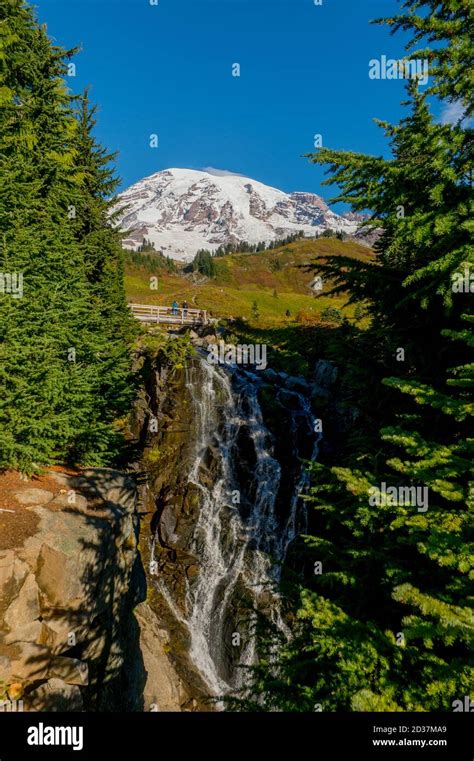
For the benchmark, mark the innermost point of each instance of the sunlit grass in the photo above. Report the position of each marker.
(277, 281)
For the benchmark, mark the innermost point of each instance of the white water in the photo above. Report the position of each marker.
(235, 553)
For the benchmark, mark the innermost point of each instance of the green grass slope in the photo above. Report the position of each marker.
(277, 281)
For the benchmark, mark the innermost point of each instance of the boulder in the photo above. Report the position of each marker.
(59, 577)
(69, 500)
(55, 695)
(33, 496)
(298, 383)
(31, 662)
(26, 633)
(69, 670)
(70, 577)
(12, 571)
(5, 668)
(270, 375)
(163, 690)
(61, 632)
(25, 607)
(325, 373)
(61, 478)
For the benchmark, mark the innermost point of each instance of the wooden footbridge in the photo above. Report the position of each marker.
(169, 315)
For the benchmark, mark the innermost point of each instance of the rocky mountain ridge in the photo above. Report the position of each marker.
(184, 210)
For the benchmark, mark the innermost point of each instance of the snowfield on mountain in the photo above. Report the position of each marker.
(184, 210)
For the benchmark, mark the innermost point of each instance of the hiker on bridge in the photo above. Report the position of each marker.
(185, 308)
(174, 307)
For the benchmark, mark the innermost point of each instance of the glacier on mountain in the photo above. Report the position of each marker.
(184, 210)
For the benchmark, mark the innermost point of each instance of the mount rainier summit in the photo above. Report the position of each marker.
(184, 210)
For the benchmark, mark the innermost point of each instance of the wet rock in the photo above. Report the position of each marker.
(206, 422)
(289, 399)
(298, 383)
(271, 376)
(325, 373)
(192, 571)
(168, 526)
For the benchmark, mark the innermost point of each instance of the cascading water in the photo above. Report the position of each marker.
(239, 541)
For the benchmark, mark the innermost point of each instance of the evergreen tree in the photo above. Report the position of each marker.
(100, 243)
(55, 401)
(203, 263)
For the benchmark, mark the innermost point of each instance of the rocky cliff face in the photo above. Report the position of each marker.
(67, 557)
(221, 502)
(162, 422)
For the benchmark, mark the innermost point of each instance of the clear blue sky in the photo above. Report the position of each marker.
(167, 69)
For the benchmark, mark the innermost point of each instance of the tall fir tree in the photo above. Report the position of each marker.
(93, 213)
(56, 403)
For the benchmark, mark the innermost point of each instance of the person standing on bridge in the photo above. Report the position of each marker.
(185, 308)
(174, 307)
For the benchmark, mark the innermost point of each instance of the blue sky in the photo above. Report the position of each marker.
(167, 69)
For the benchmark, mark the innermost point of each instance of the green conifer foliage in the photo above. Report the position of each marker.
(58, 365)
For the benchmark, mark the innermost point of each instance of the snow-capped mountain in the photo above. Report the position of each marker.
(184, 210)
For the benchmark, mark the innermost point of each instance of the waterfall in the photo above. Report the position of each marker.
(238, 540)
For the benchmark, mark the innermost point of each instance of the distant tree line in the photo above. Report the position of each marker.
(244, 247)
(149, 258)
(146, 246)
(203, 262)
(332, 234)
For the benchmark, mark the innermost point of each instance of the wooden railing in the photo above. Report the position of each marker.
(169, 315)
